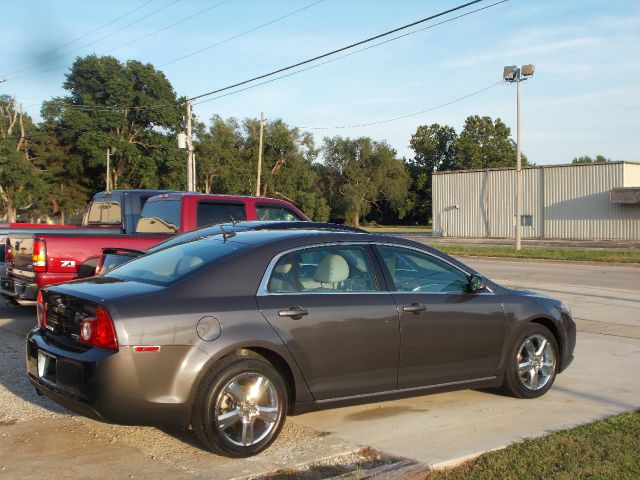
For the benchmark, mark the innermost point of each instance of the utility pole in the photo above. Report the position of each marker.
(260, 155)
(190, 169)
(514, 74)
(108, 176)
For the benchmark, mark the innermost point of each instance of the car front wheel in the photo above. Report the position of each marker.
(532, 364)
(240, 406)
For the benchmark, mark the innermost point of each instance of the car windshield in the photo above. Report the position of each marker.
(174, 263)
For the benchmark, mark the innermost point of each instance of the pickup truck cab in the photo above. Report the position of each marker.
(41, 259)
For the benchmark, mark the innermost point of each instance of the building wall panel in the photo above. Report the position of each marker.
(563, 201)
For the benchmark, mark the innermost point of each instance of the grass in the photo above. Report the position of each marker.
(397, 228)
(574, 254)
(605, 449)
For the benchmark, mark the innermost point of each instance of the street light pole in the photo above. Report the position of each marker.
(518, 171)
(515, 75)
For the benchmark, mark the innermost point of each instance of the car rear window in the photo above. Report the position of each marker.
(174, 263)
(212, 213)
(104, 211)
(162, 216)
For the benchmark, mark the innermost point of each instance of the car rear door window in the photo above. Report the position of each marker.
(210, 213)
(161, 216)
(414, 271)
(332, 269)
(276, 213)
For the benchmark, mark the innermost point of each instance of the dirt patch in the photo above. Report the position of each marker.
(381, 411)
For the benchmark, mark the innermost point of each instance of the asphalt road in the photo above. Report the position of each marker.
(36, 435)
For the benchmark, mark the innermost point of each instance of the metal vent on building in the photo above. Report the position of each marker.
(626, 195)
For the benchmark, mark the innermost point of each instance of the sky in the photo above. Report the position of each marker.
(584, 98)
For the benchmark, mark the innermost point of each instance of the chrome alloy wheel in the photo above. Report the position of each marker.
(247, 409)
(536, 360)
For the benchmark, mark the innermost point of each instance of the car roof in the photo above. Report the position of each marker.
(213, 196)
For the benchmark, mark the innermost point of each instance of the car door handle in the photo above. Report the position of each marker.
(414, 308)
(294, 312)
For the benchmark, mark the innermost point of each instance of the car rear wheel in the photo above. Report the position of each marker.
(240, 407)
(532, 364)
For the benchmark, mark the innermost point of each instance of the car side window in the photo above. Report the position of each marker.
(213, 213)
(413, 271)
(324, 269)
(276, 213)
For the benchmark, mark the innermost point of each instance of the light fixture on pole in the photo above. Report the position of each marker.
(514, 74)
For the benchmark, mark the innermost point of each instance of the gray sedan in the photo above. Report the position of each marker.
(231, 332)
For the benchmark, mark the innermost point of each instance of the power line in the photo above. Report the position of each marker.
(70, 42)
(144, 17)
(233, 37)
(143, 37)
(338, 50)
(351, 53)
(354, 125)
(408, 115)
(305, 62)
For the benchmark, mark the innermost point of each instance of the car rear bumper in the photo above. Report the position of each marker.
(18, 289)
(110, 386)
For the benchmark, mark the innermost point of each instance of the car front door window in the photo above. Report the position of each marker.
(413, 271)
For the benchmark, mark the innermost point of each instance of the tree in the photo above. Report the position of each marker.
(433, 146)
(587, 159)
(364, 172)
(21, 187)
(287, 165)
(105, 110)
(484, 143)
(220, 166)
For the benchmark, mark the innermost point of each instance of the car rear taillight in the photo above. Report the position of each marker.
(39, 256)
(41, 311)
(98, 331)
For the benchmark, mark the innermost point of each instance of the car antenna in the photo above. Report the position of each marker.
(226, 235)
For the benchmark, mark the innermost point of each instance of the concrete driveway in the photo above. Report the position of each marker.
(36, 434)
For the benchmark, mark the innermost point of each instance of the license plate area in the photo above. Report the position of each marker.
(47, 367)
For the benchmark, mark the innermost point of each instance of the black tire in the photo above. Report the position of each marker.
(209, 391)
(513, 384)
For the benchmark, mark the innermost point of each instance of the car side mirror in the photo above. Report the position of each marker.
(476, 283)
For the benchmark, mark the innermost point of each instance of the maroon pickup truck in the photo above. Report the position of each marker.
(37, 260)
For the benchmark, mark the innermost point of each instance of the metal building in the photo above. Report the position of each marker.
(592, 201)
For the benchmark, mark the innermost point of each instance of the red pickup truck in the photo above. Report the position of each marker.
(37, 260)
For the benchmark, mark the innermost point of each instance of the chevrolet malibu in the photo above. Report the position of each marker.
(230, 333)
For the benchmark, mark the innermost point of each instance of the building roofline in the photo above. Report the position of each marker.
(561, 165)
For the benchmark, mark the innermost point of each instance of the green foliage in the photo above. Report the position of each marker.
(91, 119)
(484, 143)
(361, 173)
(227, 157)
(585, 159)
(22, 190)
(434, 147)
(604, 449)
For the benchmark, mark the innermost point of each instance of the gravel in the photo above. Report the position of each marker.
(298, 447)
